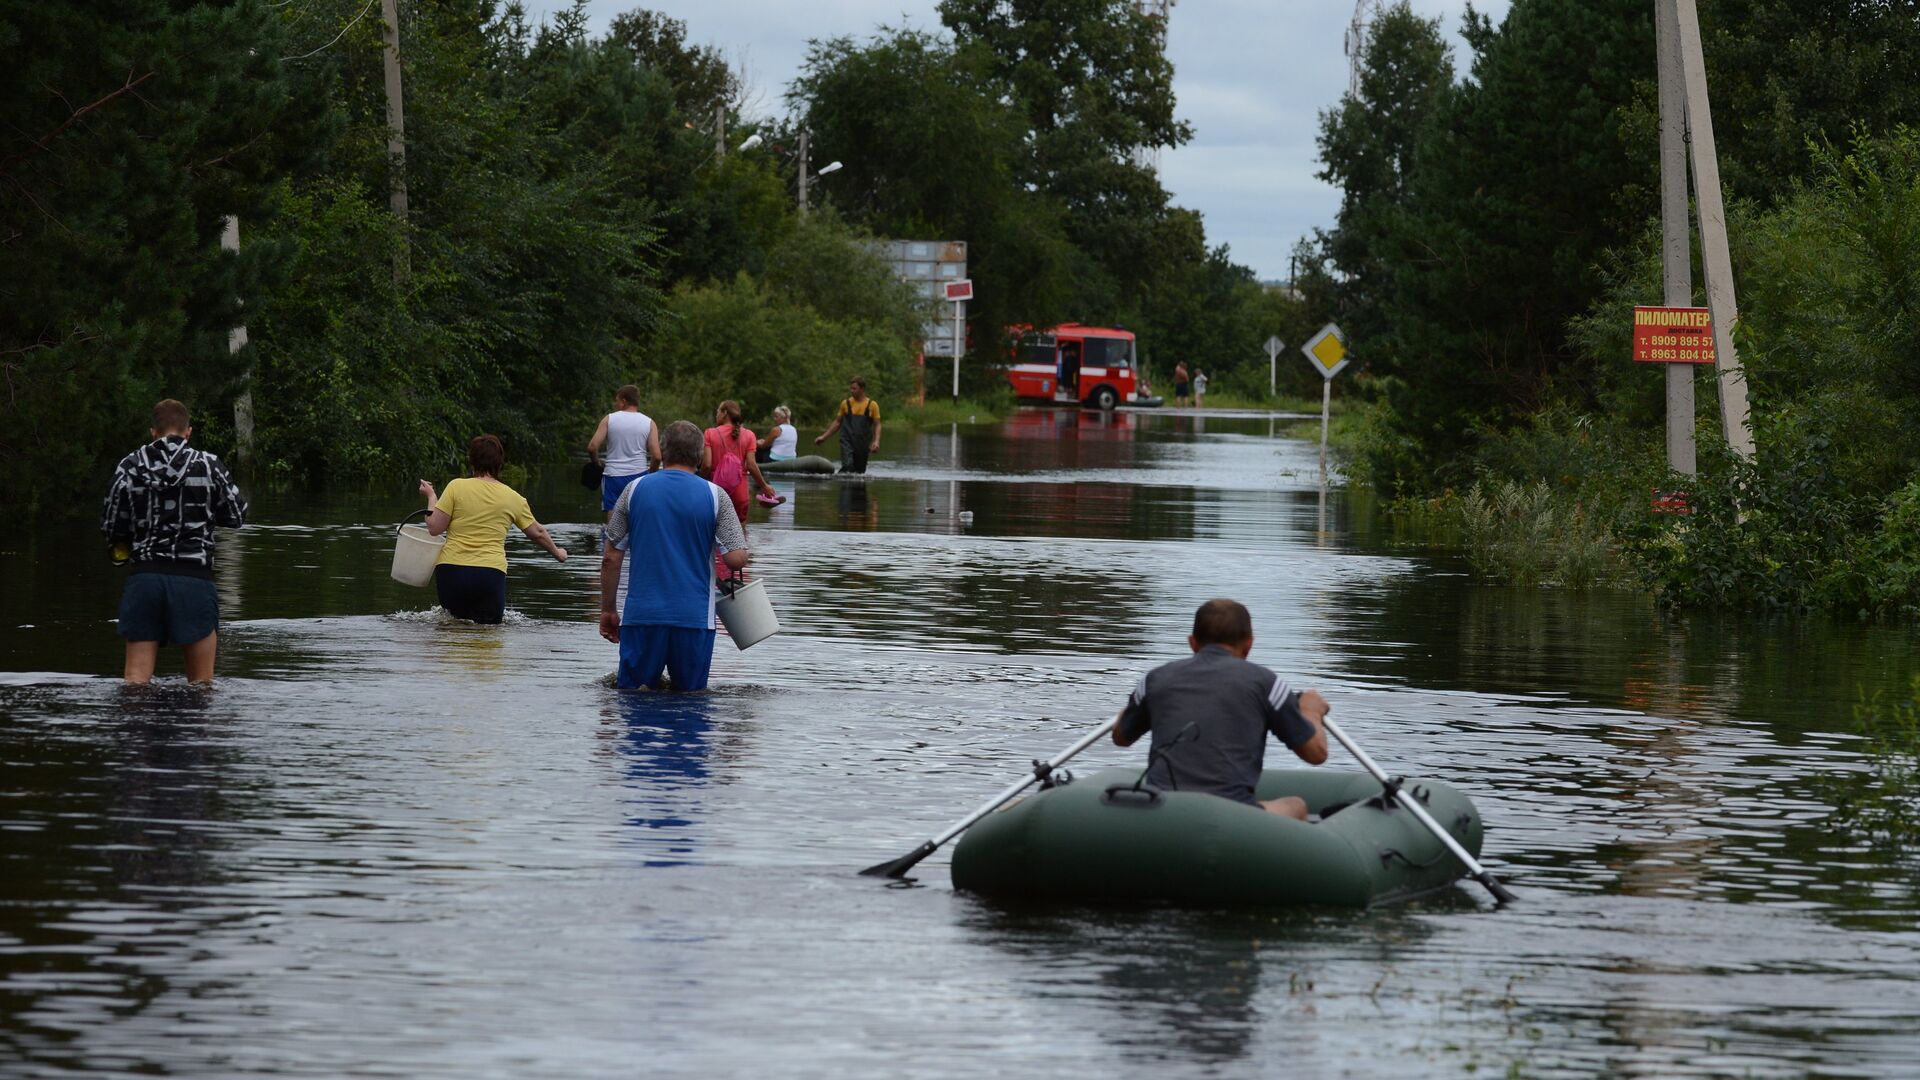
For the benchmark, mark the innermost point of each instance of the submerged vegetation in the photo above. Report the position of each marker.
(1881, 803)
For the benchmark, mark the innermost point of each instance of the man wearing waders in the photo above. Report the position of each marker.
(858, 423)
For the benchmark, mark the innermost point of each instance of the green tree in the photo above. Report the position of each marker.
(1367, 147)
(1787, 74)
(1520, 184)
(134, 128)
(1093, 82)
(932, 153)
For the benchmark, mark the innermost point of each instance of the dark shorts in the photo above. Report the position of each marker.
(1179, 389)
(172, 609)
(612, 486)
(684, 655)
(474, 593)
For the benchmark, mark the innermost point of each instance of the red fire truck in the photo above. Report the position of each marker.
(1074, 364)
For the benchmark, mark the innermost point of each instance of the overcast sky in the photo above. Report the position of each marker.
(1252, 76)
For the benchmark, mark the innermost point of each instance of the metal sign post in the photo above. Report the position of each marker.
(1274, 345)
(959, 292)
(1327, 351)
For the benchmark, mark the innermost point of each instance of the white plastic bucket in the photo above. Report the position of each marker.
(747, 613)
(415, 553)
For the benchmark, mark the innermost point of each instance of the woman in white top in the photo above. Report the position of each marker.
(783, 442)
(632, 441)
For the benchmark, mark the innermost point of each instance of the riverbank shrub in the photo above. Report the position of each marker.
(1881, 802)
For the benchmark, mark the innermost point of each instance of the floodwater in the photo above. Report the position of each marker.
(391, 845)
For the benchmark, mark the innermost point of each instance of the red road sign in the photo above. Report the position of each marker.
(960, 290)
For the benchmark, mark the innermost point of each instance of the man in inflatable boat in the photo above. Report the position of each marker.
(1210, 714)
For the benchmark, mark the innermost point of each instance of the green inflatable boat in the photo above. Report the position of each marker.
(811, 464)
(1102, 839)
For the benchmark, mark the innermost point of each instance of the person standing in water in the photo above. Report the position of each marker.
(471, 578)
(632, 441)
(1199, 389)
(665, 623)
(1180, 385)
(160, 513)
(727, 457)
(858, 423)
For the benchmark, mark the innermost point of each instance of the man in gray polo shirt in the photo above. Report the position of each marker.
(1210, 715)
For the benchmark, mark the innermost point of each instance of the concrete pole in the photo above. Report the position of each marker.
(803, 172)
(719, 130)
(396, 130)
(1715, 263)
(237, 340)
(1676, 234)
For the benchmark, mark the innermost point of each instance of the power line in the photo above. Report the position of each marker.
(338, 36)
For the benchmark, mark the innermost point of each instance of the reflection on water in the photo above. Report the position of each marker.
(389, 842)
(663, 749)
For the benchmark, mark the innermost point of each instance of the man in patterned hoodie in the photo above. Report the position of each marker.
(160, 514)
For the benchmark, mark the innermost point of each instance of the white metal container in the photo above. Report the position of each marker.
(747, 613)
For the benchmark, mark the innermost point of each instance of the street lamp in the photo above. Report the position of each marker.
(807, 175)
(805, 167)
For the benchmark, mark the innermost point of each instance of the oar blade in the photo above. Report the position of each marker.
(897, 868)
(1499, 891)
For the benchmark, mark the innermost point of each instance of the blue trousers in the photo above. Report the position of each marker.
(645, 651)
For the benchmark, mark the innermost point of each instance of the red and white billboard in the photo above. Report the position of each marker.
(1672, 335)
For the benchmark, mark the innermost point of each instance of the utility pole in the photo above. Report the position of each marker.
(1676, 236)
(237, 340)
(719, 130)
(1715, 263)
(803, 171)
(396, 132)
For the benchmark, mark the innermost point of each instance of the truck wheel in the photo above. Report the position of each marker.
(1105, 398)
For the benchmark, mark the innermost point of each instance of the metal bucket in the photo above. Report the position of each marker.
(747, 613)
(415, 553)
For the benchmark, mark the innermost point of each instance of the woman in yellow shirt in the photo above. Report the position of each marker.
(471, 577)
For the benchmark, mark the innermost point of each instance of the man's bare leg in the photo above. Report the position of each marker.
(1286, 806)
(141, 656)
(200, 660)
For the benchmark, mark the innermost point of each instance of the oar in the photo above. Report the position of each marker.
(1478, 872)
(900, 866)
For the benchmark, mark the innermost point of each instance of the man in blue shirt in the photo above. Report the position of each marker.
(673, 521)
(1210, 715)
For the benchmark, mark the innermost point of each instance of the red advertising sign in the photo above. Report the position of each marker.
(960, 290)
(1672, 335)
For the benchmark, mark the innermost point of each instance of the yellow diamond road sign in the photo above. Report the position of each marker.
(1327, 350)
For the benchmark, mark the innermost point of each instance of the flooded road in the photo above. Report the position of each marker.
(392, 845)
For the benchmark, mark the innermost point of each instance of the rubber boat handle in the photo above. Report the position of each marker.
(1145, 798)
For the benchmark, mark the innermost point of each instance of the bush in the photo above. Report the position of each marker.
(1882, 803)
(740, 341)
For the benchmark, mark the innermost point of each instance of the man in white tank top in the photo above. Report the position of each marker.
(632, 441)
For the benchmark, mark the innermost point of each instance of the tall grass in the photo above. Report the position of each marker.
(1529, 534)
